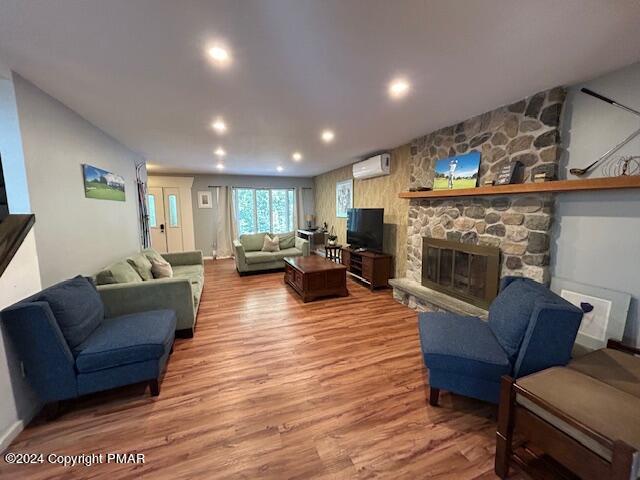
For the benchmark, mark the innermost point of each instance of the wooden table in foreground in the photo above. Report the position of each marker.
(314, 276)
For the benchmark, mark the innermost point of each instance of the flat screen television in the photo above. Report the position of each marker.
(364, 228)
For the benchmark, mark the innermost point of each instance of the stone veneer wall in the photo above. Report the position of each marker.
(526, 131)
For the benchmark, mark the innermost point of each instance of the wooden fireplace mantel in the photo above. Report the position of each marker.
(558, 186)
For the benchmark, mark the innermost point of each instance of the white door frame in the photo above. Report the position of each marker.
(184, 184)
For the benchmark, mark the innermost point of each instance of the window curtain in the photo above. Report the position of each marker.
(225, 226)
(300, 212)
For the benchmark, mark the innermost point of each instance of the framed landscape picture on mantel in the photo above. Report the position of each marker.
(344, 197)
(460, 171)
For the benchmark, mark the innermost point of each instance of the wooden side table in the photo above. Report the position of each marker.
(334, 252)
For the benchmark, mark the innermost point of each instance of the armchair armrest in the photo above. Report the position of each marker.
(302, 244)
(184, 258)
(165, 293)
(239, 251)
(48, 362)
(549, 338)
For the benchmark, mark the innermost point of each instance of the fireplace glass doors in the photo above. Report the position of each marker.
(468, 272)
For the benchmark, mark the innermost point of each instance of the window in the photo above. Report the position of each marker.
(264, 210)
(173, 211)
(151, 202)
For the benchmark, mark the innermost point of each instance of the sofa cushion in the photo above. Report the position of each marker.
(76, 306)
(141, 265)
(288, 252)
(462, 345)
(119, 272)
(511, 311)
(150, 253)
(252, 242)
(132, 338)
(188, 271)
(604, 409)
(613, 367)
(287, 240)
(260, 257)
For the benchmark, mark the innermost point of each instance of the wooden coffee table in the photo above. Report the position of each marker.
(314, 276)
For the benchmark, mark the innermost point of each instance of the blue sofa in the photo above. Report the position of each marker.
(530, 328)
(68, 348)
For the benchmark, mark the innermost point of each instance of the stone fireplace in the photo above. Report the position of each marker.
(518, 226)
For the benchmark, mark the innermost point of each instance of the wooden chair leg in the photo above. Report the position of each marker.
(434, 396)
(154, 387)
(504, 434)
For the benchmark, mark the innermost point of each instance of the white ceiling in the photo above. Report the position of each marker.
(138, 69)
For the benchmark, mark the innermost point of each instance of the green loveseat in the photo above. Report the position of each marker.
(128, 286)
(251, 258)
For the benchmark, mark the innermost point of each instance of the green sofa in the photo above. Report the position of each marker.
(251, 258)
(128, 286)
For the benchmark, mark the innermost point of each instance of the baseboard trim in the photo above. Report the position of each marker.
(207, 258)
(10, 434)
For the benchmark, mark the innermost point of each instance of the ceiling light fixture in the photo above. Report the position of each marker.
(328, 136)
(219, 55)
(297, 156)
(220, 152)
(398, 88)
(279, 168)
(219, 126)
(220, 166)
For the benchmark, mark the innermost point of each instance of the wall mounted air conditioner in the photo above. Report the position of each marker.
(372, 167)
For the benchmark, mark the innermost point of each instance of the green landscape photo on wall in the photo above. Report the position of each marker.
(460, 171)
(102, 185)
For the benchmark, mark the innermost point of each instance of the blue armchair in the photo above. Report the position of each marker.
(69, 349)
(530, 328)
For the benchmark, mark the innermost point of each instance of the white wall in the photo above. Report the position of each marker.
(597, 234)
(11, 146)
(18, 403)
(75, 235)
(205, 218)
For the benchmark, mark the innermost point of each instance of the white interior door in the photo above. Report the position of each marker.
(173, 217)
(157, 224)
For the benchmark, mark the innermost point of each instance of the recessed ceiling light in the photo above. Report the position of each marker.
(297, 156)
(279, 168)
(328, 136)
(219, 126)
(220, 152)
(219, 55)
(220, 166)
(398, 88)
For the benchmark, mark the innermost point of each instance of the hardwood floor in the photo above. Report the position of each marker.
(271, 387)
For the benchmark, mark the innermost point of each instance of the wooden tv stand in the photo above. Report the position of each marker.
(372, 268)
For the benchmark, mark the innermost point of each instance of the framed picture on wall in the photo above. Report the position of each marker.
(102, 185)
(344, 197)
(205, 200)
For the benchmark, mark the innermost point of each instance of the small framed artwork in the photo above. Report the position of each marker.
(512, 172)
(344, 197)
(605, 311)
(457, 172)
(205, 200)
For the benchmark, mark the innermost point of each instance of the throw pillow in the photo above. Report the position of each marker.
(77, 308)
(271, 244)
(161, 268)
(142, 265)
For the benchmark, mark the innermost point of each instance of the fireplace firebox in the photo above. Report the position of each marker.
(465, 271)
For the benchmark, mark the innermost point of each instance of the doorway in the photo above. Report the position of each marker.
(165, 219)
